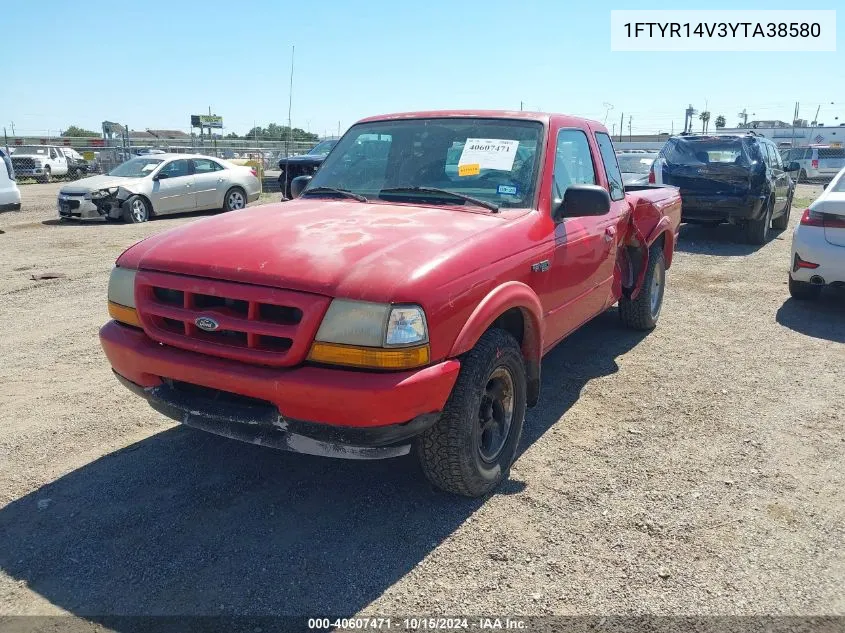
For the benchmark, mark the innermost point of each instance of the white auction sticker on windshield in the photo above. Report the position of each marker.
(149, 166)
(489, 153)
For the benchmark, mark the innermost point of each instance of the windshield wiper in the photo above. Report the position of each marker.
(341, 192)
(435, 190)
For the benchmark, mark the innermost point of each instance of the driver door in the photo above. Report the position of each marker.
(173, 188)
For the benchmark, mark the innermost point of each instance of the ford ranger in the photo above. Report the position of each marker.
(403, 300)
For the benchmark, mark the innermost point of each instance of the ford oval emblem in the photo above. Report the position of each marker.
(207, 324)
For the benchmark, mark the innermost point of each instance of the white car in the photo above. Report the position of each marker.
(160, 184)
(818, 243)
(10, 195)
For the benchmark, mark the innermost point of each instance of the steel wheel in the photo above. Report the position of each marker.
(495, 414)
(658, 284)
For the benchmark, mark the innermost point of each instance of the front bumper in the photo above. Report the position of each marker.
(810, 244)
(29, 173)
(341, 410)
(723, 208)
(77, 207)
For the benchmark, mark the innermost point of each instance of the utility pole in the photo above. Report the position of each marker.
(794, 121)
(630, 138)
(612, 134)
(673, 129)
(520, 106)
(621, 123)
(338, 129)
(13, 128)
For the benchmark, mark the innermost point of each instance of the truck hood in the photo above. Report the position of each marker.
(331, 247)
(94, 183)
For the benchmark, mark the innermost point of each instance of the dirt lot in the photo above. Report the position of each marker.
(694, 470)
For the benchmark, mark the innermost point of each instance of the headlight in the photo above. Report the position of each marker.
(364, 334)
(103, 193)
(122, 296)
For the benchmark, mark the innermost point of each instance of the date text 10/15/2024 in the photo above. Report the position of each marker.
(417, 624)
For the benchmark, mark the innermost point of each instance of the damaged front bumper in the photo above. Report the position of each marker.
(306, 409)
(260, 423)
(88, 207)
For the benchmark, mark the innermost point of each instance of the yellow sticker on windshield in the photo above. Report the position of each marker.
(469, 170)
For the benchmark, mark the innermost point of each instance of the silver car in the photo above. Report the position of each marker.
(160, 184)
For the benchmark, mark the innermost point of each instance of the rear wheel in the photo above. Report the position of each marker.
(781, 222)
(642, 313)
(235, 199)
(471, 447)
(803, 291)
(757, 231)
(136, 210)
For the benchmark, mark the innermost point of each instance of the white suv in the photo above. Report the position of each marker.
(10, 195)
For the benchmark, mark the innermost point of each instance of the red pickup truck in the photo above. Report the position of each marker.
(405, 297)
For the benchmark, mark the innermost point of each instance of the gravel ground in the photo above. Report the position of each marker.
(694, 470)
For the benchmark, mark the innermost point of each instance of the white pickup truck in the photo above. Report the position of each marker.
(41, 162)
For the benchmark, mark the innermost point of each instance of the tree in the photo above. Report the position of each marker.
(704, 117)
(720, 122)
(275, 132)
(231, 135)
(77, 131)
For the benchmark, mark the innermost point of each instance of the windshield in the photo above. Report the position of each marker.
(839, 186)
(493, 160)
(136, 168)
(323, 148)
(635, 163)
(707, 151)
(32, 149)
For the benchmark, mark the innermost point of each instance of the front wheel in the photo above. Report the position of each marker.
(136, 210)
(642, 313)
(48, 175)
(471, 447)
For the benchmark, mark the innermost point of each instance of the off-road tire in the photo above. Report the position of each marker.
(803, 291)
(781, 222)
(131, 215)
(228, 203)
(757, 231)
(449, 452)
(642, 313)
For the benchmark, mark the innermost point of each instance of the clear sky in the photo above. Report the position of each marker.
(153, 63)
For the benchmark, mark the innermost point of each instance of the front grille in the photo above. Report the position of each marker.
(256, 324)
(23, 163)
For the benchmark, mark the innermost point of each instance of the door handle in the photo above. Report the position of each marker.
(609, 233)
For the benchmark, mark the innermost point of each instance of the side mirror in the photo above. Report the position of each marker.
(793, 166)
(160, 176)
(582, 200)
(297, 185)
(824, 185)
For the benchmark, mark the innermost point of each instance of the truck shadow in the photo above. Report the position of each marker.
(820, 319)
(188, 523)
(724, 240)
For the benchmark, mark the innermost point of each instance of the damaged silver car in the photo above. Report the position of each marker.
(160, 184)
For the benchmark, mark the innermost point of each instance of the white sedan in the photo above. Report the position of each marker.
(818, 244)
(159, 184)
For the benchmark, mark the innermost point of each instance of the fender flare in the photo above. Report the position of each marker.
(509, 295)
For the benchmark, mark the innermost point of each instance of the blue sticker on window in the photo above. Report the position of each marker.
(507, 190)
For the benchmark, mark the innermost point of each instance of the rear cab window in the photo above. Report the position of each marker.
(611, 167)
(698, 151)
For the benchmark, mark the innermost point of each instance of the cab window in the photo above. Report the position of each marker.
(573, 162)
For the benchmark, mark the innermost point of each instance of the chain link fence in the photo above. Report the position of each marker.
(90, 156)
